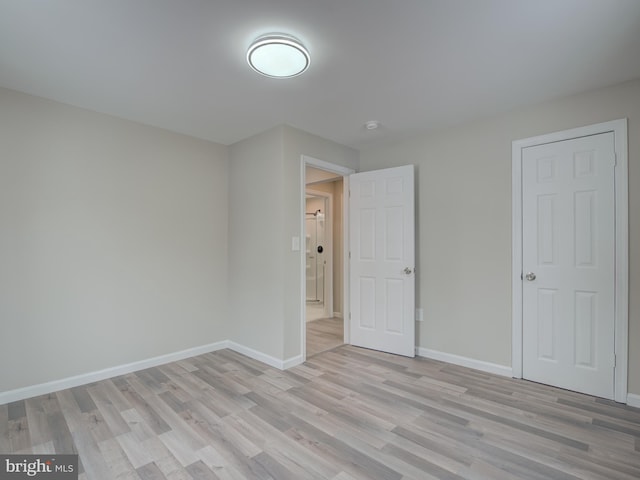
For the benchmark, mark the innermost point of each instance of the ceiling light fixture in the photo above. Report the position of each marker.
(372, 125)
(278, 55)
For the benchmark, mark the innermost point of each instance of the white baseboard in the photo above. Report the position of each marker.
(292, 362)
(465, 362)
(633, 400)
(256, 355)
(263, 357)
(83, 379)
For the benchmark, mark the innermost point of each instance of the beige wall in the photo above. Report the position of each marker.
(256, 254)
(120, 242)
(464, 220)
(265, 274)
(113, 241)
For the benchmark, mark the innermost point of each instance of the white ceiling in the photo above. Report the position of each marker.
(413, 65)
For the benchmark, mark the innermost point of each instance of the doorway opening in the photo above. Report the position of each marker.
(318, 244)
(325, 259)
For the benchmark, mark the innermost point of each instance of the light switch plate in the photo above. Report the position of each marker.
(295, 244)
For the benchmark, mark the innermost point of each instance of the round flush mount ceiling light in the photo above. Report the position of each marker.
(278, 55)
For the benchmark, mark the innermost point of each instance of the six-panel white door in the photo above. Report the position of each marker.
(382, 247)
(568, 213)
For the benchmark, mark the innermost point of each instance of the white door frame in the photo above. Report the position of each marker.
(345, 172)
(619, 129)
(328, 274)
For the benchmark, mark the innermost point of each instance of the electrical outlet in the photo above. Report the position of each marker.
(419, 315)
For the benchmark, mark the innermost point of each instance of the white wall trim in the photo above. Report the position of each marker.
(633, 400)
(292, 362)
(619, 129)
(488, 367)
(256, 355)
(85, 378)
(622, 259)
(346, 259)
(264, 358)
(329, 167)
(90, 377)
(303, 258)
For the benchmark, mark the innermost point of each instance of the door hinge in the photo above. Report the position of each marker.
(614, 360)
(615, 159)
(349, 255)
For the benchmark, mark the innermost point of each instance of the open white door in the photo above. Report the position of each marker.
(382, 248)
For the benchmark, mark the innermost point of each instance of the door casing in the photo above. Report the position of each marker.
(619, 129)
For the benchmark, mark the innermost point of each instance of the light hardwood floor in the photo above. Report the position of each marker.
(323, 335)
(345, 414)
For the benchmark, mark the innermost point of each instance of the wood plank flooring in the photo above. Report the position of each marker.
(324, 334)
(346, 414)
